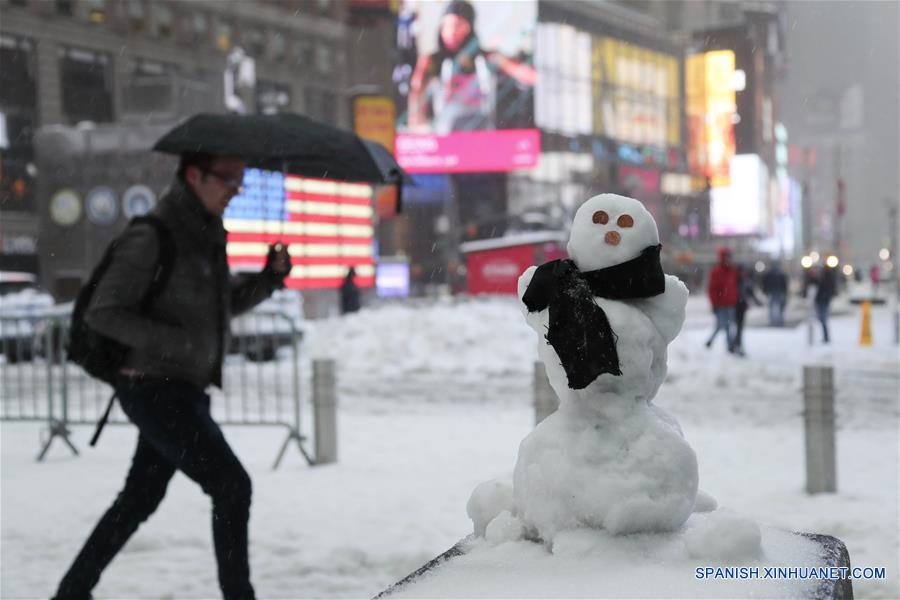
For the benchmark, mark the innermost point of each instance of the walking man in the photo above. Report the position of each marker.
(176, 343)
(723, 295)
(825, 282)
(775, 286)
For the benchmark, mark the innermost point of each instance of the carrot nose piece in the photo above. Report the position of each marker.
(612, 238)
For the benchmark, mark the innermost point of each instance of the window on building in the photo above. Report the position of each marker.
(272, 98)
(148, 89)
(17, 77)
(86, 84)
(65, 7)
(277, 46)
(323, 57)
(18, 118)
(329, 108)
(194, 92)
(96, 11)
(224, 35)
(163, 20)
(254, 42)
(304, 53)
(135, 15)
(199, 23)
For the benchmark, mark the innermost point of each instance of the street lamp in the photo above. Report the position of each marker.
(848, 270)
(884, 254)
(806, 262)
(832, 261)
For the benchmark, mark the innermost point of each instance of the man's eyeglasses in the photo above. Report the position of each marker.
(235, 184)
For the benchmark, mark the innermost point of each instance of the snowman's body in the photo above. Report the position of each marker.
(608, 457)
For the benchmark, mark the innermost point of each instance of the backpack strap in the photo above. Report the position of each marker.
(165, 261)
(102, 422)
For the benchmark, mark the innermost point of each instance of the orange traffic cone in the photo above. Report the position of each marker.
(865, 334)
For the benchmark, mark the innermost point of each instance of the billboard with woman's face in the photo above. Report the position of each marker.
(464, 81)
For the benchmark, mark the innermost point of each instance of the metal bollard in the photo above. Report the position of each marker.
(818, 416)
(545, 400)
(325, 407)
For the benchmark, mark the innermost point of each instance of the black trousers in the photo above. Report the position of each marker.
(176, 432)
(740, 311)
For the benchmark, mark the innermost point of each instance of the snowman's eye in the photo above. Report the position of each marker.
(625, 221)
(601, 217)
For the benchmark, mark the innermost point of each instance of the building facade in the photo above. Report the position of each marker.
(138, 63)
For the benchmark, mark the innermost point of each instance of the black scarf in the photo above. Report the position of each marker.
(579, 331)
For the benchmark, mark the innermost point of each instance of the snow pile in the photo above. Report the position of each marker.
(403, 340)
(724, 536)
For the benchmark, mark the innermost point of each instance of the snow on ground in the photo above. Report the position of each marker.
(434, 400)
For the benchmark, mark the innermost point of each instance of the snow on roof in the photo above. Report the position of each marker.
(518, 239)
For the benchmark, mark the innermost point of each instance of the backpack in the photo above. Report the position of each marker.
(100, 356)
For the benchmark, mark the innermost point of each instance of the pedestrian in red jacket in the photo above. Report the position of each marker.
(723, 295)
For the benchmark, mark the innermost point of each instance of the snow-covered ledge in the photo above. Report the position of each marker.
(594, 564)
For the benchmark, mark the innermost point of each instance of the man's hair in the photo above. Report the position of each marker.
(200, 160)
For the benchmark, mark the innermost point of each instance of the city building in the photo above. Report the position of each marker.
(140, 66)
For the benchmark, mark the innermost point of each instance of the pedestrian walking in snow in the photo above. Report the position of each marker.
(825, 282)
(175, 346)
(723, 295)
(775, 286)
(349, 293)
(746, 294)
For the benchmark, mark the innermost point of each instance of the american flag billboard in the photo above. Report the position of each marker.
(327, 224)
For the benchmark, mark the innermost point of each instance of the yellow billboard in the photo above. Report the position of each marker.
(636, 93)
(710, 107)
(374, 118)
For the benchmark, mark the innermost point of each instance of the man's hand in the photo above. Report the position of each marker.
(278, 262)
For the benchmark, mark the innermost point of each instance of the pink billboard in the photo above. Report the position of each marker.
(470, 151)
(464, 81)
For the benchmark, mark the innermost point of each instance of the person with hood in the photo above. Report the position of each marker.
(775, 286)
(176, 342)
(746, 294)
(825, 282)
(455, 88)
(723, 295)
(349, 293)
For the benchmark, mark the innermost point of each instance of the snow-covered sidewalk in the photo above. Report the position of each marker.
(435, 400)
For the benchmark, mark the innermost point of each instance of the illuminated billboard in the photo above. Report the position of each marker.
(562, 102)
(636, 93)
(737, 209)
(711, 108)
(464, 84)
(328, 225)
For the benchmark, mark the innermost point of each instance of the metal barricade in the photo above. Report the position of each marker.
(261, 378)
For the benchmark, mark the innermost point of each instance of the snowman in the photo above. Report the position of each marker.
(608, 458)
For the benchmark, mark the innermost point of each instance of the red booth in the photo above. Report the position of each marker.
(493, 266)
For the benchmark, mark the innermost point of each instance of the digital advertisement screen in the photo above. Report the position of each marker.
(392, 280)
(711, 106)
(563, 92)
(327, 225)
(737, 209)
(636, 93)
(464, 82)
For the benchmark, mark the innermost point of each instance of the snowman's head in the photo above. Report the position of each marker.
(610, 229)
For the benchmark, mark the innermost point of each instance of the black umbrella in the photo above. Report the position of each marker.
(289, 142)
